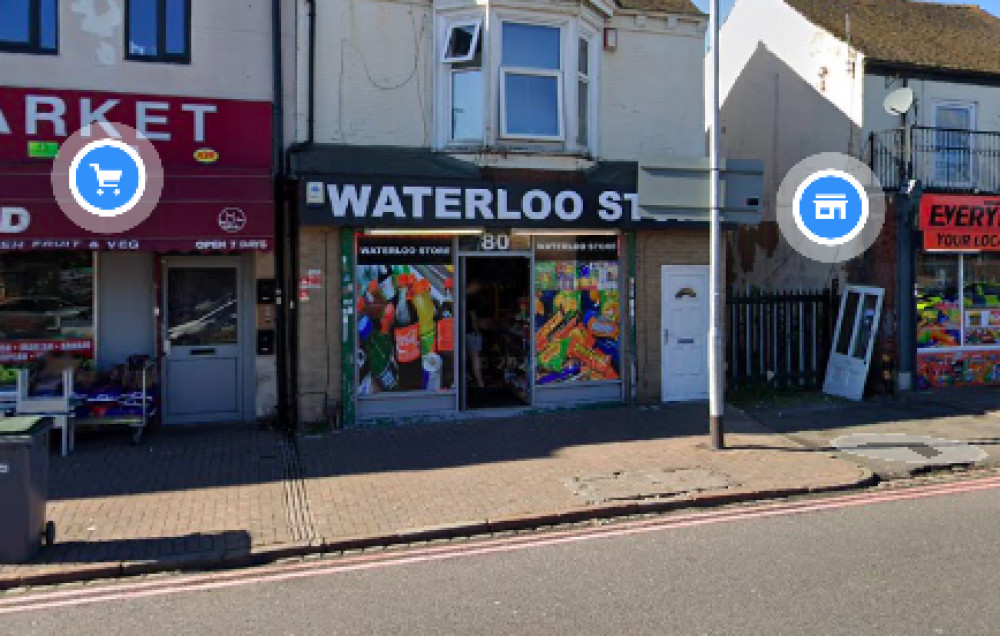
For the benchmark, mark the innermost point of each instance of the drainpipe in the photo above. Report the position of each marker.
(278, 180)
(290, 231)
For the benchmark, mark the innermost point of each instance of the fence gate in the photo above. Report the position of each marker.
(779, 339)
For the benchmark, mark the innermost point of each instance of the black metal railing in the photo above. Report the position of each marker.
(939, 158)
(779, 339)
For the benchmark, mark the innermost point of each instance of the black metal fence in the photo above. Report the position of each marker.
(940, 158)
(779, 340)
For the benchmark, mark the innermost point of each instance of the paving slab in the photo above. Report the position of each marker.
(959, 416)
(229, 496)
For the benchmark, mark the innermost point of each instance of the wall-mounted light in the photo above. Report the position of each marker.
(610, 39)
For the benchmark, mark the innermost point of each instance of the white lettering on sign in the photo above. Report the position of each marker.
(476, 204)
(199, 111)
(4, 469)
(14, 220)
(143, 119)
(45, 116)
(89, 116)
(55, 114)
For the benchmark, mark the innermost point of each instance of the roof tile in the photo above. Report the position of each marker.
(953, 37)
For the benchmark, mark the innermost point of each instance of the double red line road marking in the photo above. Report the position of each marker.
(288, 571)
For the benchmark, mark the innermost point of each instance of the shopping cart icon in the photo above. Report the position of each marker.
(107, 179)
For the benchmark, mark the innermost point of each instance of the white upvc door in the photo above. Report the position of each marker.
(853, 342)
(684, 337)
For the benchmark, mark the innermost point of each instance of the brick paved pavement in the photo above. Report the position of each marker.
(205, 496)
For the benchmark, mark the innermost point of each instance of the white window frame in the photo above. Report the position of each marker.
(972, 108)
(592, 92)
(573, 26)
(449, 33)
(443, 102)
(565, 34)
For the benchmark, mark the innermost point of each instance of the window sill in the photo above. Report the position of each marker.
(519, 157)
(158, 60)
(27, 50)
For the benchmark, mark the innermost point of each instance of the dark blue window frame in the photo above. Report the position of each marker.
(42, 29)
(164, 49)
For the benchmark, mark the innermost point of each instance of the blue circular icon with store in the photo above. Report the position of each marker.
(831, 207)
(108, 177)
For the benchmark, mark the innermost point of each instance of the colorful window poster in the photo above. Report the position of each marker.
(939, 310)
(46, 305)
(970, 368)
(577, 310)
(405, 315)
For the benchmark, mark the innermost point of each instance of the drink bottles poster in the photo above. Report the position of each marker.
(406, 315)
(577, 310)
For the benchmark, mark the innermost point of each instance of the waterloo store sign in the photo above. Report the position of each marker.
(960, 223)
(455, 205)
(216, 154)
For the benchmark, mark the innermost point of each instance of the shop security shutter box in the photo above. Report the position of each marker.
(678, 189)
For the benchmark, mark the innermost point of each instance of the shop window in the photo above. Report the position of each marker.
(29, 26)
(981, 299)
(939, 314)
(46, 305)
(406, 315)
(158, 30)
(577, 310)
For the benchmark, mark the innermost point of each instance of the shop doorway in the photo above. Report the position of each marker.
(496, 367)
(202, 344)
(685, 332)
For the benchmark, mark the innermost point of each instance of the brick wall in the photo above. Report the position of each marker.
(319, 325)
(878, 268)
(653, 249)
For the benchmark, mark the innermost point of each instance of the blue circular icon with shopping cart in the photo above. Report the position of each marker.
(107, 177)
(831, 207)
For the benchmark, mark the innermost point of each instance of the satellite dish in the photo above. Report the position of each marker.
(899, 101)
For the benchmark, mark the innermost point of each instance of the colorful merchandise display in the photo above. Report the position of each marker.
(969, 368)
(406, 332)
(577, 311)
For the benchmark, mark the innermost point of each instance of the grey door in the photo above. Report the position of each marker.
(202, 340)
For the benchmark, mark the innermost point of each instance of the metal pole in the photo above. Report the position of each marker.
(716, 255)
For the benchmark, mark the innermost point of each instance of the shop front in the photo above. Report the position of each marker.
(958, 291)
(440, 290)
(190, 289)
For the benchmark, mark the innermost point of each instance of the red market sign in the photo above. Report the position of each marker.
(184, 130)
(28, 350)
(216, 154)
(960, 223)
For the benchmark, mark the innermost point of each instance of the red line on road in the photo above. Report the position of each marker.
(290, 571)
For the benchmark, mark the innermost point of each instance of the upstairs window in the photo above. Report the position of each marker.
(463, 53)
(531, 82)
(158, 30)
(29, 26)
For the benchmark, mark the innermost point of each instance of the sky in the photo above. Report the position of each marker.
(993, 6)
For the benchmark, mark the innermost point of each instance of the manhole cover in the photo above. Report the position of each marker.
(910, 449)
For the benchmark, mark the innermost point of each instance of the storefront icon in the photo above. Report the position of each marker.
(830, 206)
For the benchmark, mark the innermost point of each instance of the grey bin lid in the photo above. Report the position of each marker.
(23, 425)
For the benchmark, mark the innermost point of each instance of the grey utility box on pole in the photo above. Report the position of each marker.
(678, 189)
(24, 470)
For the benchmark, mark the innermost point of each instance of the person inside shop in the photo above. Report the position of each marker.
(473, 335)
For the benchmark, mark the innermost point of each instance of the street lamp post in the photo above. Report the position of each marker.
(716, 403)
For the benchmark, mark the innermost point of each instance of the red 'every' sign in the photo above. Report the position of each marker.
(960, 223)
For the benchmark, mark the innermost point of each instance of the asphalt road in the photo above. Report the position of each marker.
(922, 566)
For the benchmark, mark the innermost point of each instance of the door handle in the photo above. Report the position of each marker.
(666, 336)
